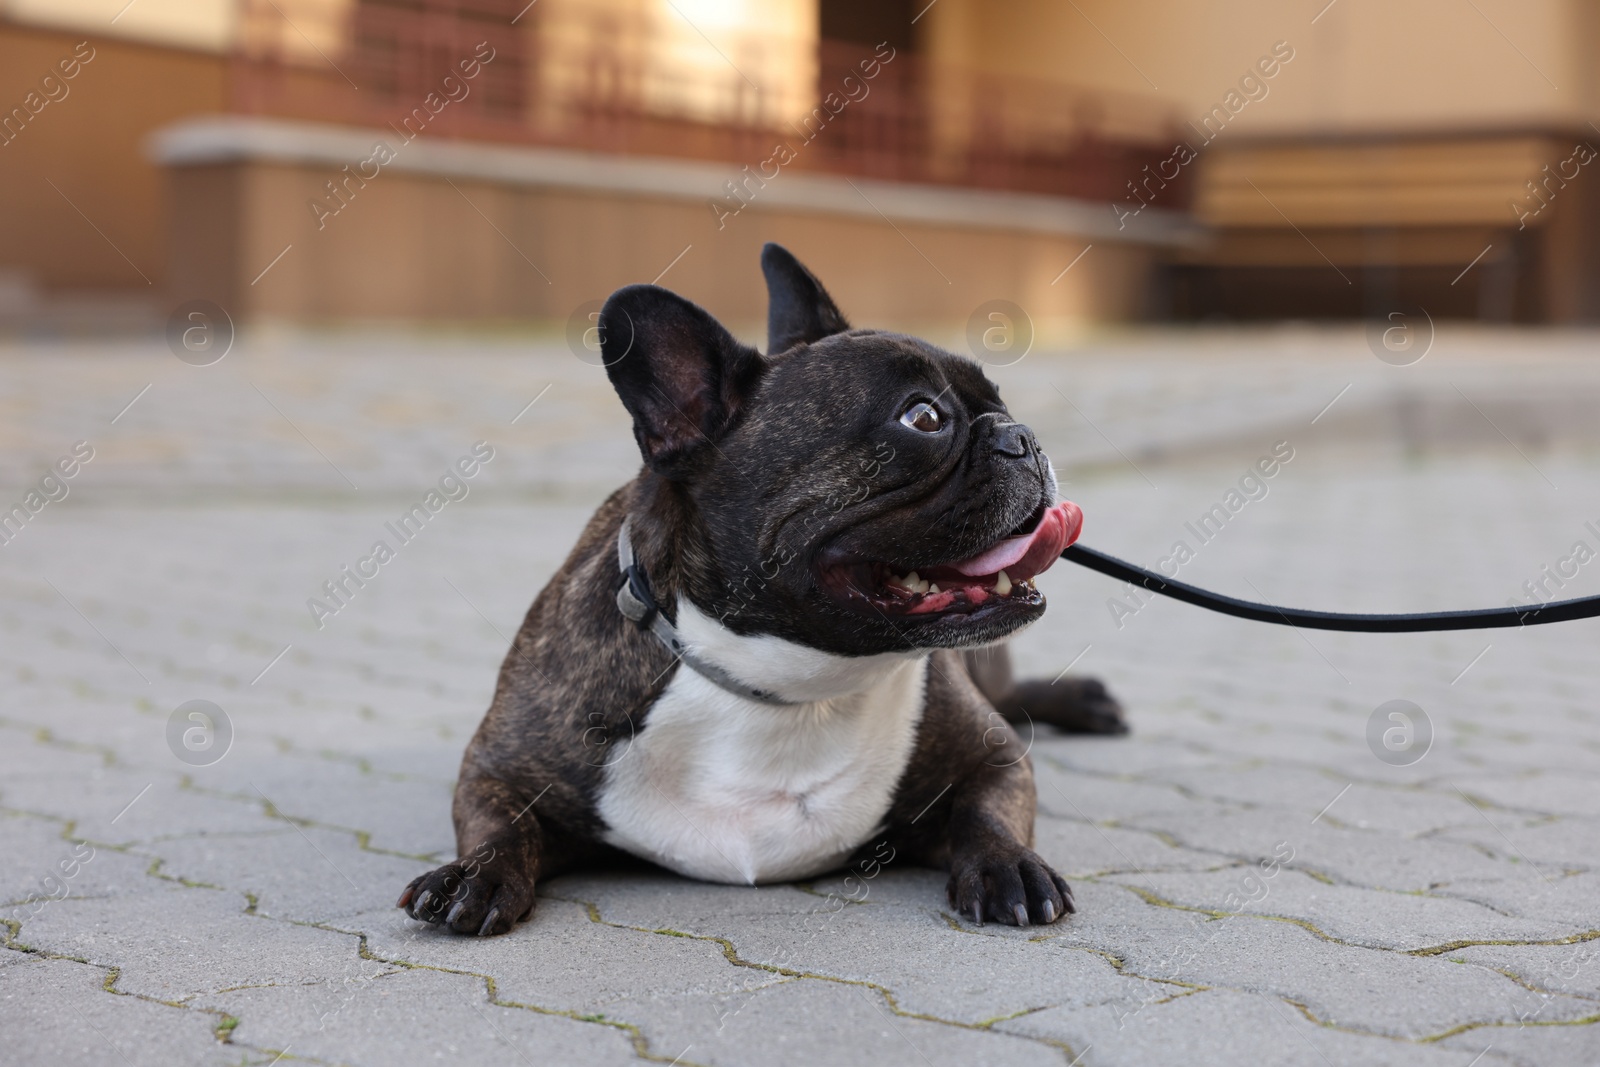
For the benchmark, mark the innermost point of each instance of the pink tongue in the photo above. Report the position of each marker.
(1023, 557)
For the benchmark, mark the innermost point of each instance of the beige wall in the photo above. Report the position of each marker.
(410, 246)
(1468, 181)
(90, 145)
(1430, 207)
(1365, 65)
(1397, 142)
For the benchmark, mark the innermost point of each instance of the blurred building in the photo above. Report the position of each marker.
(1091, 161)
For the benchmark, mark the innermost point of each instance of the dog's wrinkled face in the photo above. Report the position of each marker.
(857, 491)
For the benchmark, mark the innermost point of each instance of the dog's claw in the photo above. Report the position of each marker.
(1009, 884)
(457, 895)
(1068, 905)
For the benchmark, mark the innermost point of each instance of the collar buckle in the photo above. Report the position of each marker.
(634, 599)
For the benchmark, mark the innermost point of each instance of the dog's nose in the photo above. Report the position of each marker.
(1013, 439)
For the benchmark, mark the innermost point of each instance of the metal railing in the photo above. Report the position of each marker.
(605, 84)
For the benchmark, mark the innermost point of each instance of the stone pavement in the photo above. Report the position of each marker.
(1255, 884)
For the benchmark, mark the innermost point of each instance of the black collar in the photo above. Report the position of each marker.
(638, 604)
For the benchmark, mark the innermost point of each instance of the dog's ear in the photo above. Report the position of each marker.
(682, 377)
(799, 309)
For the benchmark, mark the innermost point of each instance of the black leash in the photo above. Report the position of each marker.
(1480, 619)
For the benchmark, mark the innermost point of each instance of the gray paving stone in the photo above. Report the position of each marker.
(1559, 744)
(382, 1017)
(1367, 917)
(42, 864)
(1573, 969)
(1532, 1045)
(99, 793)
(54, 1011)
(309, 875)
(1107, 756)
(1280, 785)
(1220, 1026)
(1360, 857)
(1548, 791)
(1407, 812)
(899, 938)
(1355, 988)
(1571, 898)
(192, 541)
(173, 942)
(563, 960)
(806, 1021)
(410, 817)
(1550, 846)
(1079, 849)
(1099, 797)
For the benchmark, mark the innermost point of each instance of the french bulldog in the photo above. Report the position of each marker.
(780, 645)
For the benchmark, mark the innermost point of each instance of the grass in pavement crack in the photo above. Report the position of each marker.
(1311, 928)
(1451, 946)
(222, 1029)
(272, 811)
(154, 871)
(731, 954)
(1152, 899)
(1430, 1039)
(641, 1044)
(44, 736)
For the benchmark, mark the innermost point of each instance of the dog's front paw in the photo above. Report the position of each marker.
(1008, 884)
(470, 898)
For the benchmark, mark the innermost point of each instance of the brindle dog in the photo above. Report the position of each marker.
(819, 561)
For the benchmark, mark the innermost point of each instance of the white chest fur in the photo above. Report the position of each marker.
(725, 789)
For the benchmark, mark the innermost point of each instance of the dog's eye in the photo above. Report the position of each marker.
(922, 416)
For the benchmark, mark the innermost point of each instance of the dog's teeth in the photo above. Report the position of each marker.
(1003, 585)
(912, 581)
(933, 587)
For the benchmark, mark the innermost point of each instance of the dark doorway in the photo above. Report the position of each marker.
(871, 22)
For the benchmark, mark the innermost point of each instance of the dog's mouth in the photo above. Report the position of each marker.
(1000, 575)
